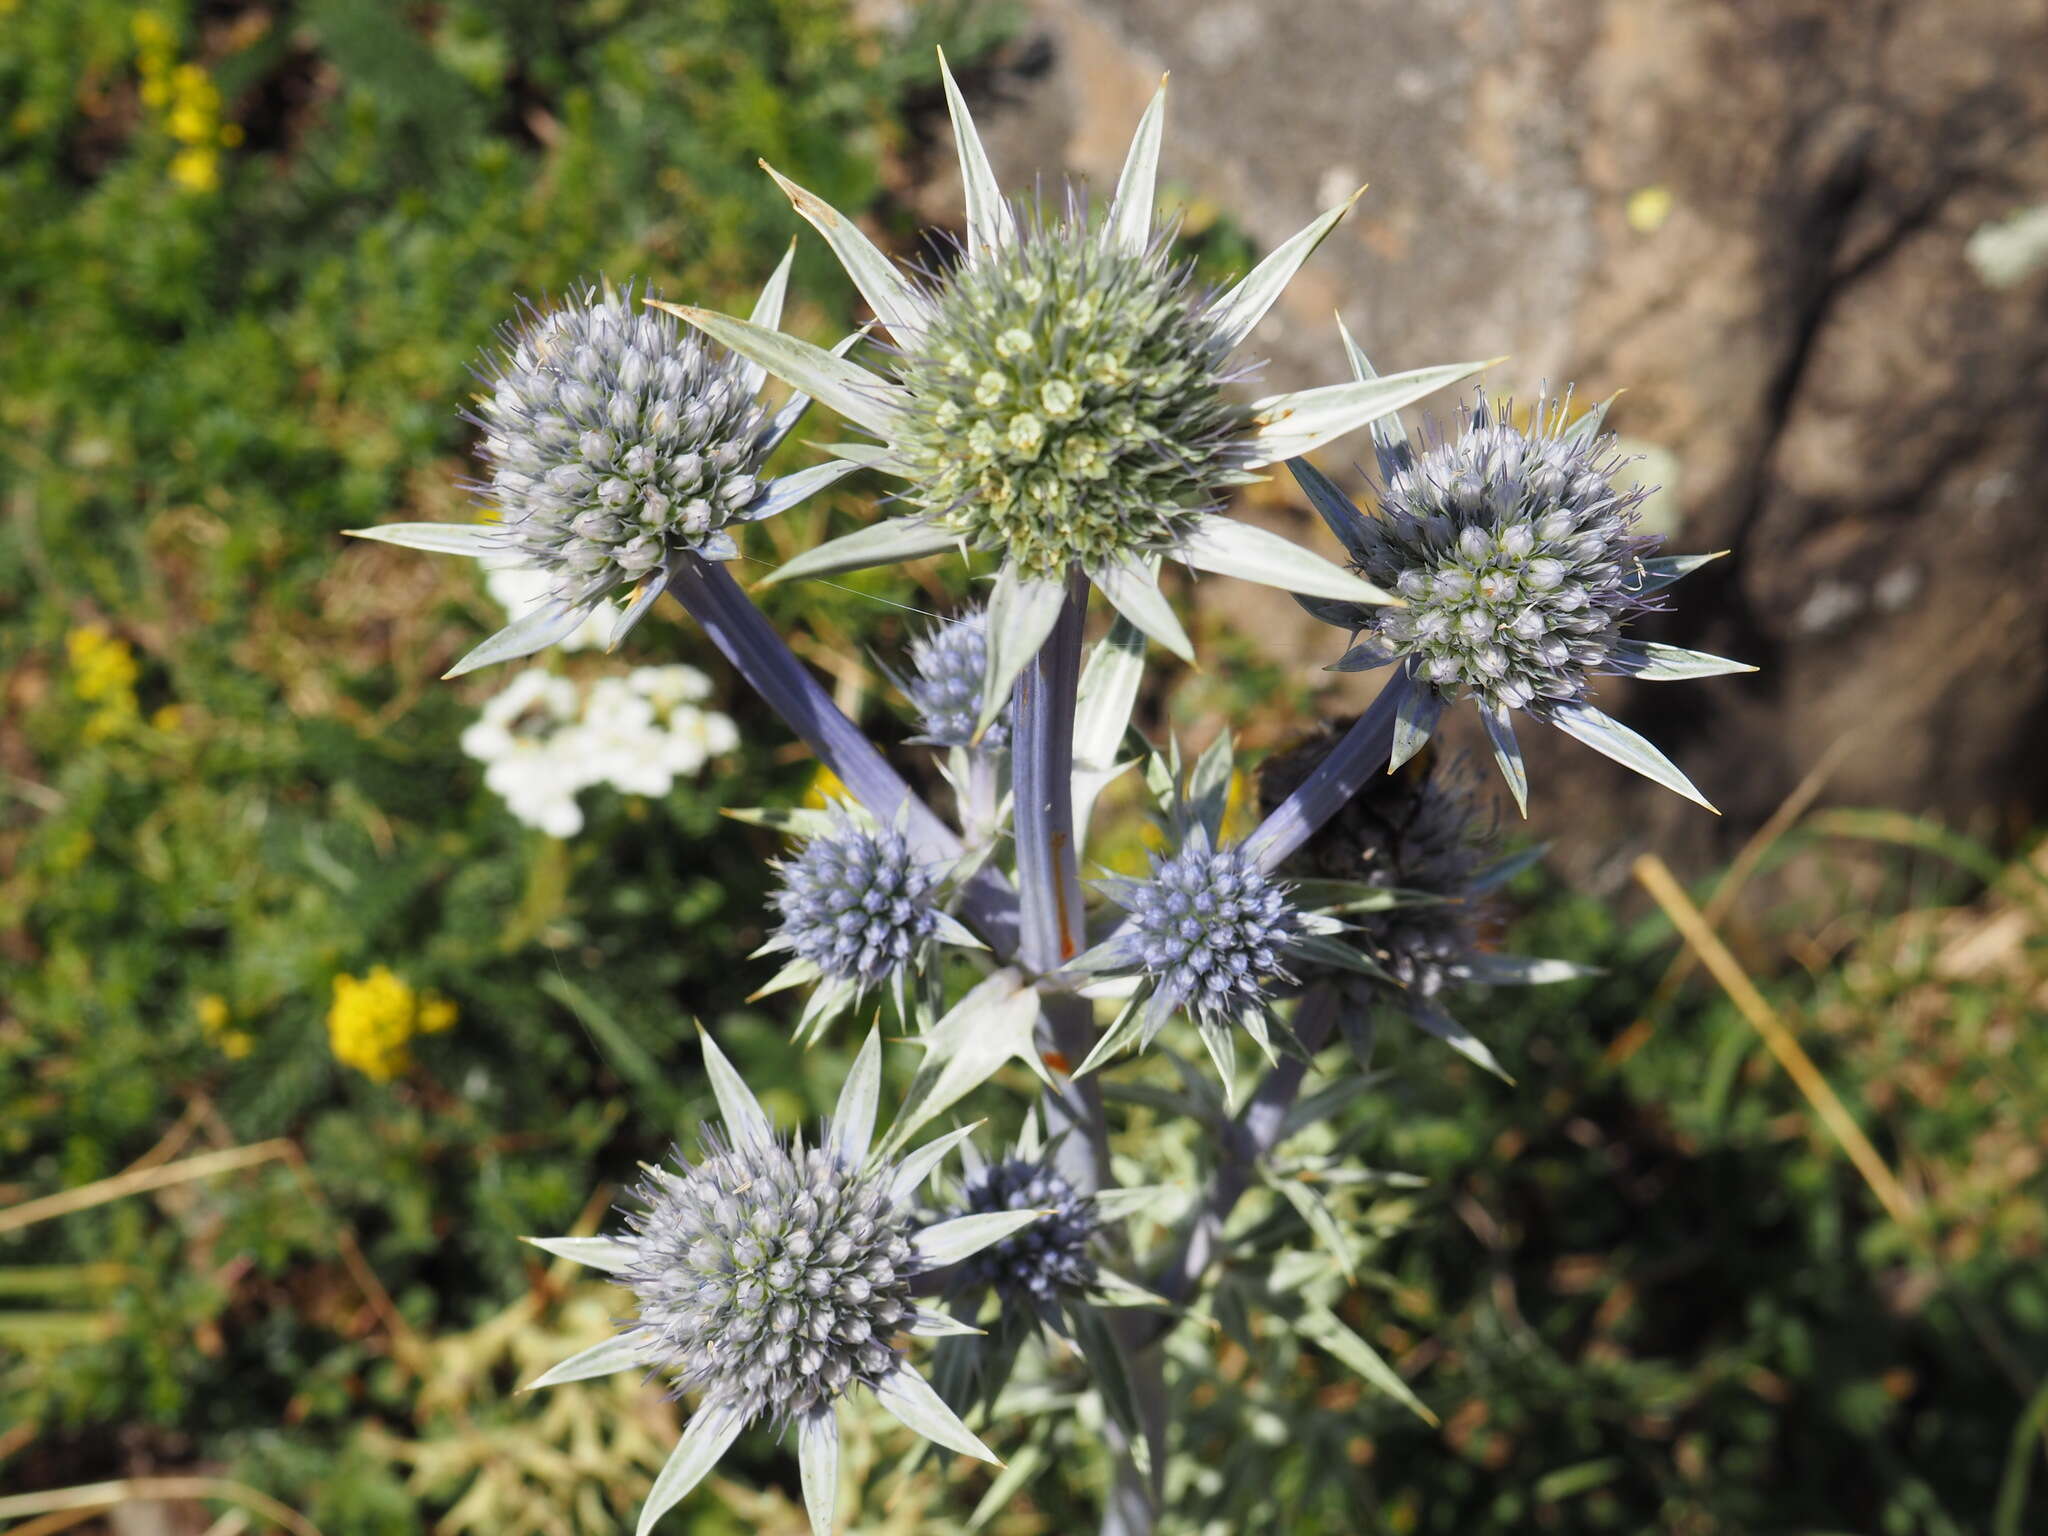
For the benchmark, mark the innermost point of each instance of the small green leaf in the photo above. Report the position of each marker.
(1327, 1331)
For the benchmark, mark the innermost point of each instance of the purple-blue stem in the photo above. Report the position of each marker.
(1052, 931)
(764, 659)
(1362, 752)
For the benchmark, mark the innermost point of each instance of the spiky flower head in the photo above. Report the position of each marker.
(770, 1279)
(1516, 555)
(948, 665)
(1048, 1258)
(1068, 401)
(769, 1276)
(856, 902)
(615, 438)
(618, 443)
(1208, 929)
(1060, 395)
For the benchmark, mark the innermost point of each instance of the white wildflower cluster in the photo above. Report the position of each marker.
(545, 739)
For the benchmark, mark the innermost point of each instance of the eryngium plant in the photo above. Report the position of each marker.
(1062, 405)
(860, 910)
(617, 444)
(1516, 555)
(770, 1279)
(1062, 396)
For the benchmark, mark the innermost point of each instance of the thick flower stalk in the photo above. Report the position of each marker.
(770, 1279)
(1517, 557)
(618, 444)
(1064, 397)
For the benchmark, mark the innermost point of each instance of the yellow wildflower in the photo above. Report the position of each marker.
(103, 672)
(214, 1020)
(373, 1019)
(196, 170)
(825, 789)
(103, 667)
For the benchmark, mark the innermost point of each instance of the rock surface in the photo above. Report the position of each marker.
(1752, 216)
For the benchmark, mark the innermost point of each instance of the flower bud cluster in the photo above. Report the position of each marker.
(1515, 554)
(947, 668)
(1419, 830)
(1210, 929)
(856, 903)
(1069, 400)
(616, 440)
(770, 1278)
(1047, 1258)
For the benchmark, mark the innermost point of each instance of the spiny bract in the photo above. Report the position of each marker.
(617, 439)
(947, 669)
(1068, 401)
(1515, 553)
(1048, 1257)
(770, 1277)
(856, 902)
(1209, 928)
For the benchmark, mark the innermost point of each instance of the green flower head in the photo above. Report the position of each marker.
(1068, 402)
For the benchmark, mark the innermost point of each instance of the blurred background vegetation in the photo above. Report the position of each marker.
(247, 254)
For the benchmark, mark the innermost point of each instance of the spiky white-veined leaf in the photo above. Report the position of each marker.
(861, 397)
(609, 1254)
(1240, 310)
(909, 1398)
(472, 539)
(746, 1123)
(620, 1352)
(1213, 542)
(1610, 738)
(534, 631)
(990, 223)
(1129, 227)
(709, 1436)
(1300, 422)
(1022, 611)
(897, 304)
